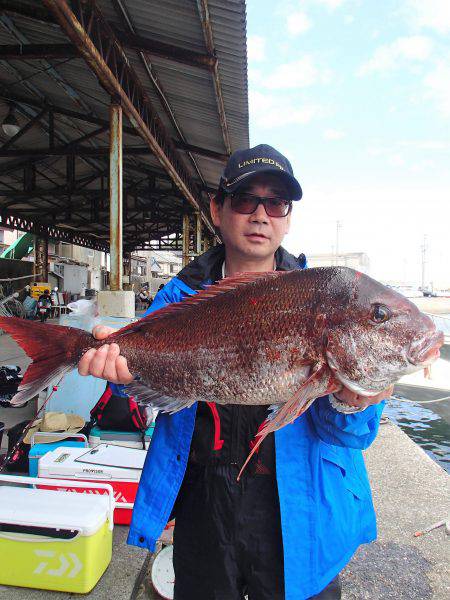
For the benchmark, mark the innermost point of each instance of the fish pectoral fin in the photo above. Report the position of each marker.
(161, 402)
(316, 385)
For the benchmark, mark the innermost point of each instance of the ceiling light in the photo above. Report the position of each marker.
(10, 124)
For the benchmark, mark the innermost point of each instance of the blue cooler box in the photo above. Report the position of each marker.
(38, 450)
(129, 439)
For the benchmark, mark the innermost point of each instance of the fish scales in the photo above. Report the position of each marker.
(247, 345)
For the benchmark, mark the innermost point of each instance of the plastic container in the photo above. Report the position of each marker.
(54, 540)
(38, 450)
(62, 464)
(128, 439)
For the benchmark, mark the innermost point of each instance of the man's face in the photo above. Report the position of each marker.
(255, 236)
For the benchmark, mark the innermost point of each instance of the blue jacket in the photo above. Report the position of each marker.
(325, 498)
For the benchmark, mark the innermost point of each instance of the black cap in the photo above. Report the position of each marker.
(243, 164)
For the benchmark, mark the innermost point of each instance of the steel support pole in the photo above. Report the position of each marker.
(115, 195)
(198, 233)
(186, 239)
(41, 259)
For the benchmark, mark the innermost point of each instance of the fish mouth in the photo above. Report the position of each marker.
(427, 351)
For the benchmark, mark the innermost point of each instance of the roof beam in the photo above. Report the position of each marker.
(13, 97)
(77, 150)
(203, 10)
(168, 51)
(31, 51)
(70, 151)
(27, 8)
(129, 40)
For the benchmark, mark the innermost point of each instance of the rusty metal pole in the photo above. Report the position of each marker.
(41, 259)
(115, 195)
(198, 233)
(186, 238)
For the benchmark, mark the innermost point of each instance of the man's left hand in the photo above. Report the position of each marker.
(353, 399)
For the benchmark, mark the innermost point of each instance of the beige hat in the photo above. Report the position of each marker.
(58, 422)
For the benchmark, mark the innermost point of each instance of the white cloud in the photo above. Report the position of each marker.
(256, 48)
(437, 87)
(298, 23)
(412, 147)
(432, 14)
(396, 160)
(349, 19)
(268, 111)
(333, 134)
(391, 56)
(436, 145)
(331, 4)
(297, 74)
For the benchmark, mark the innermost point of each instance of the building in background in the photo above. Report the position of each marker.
(75, 269)
(8, 237)
(354, 260)
(162, 263)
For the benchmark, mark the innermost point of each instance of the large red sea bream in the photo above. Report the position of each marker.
(278, 338)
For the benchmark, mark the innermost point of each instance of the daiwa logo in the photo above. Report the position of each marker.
(118, 496)
(71, 562)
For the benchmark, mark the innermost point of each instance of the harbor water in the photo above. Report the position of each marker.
(422, 422)
(425, 427)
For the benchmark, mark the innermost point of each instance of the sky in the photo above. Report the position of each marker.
(356, 93)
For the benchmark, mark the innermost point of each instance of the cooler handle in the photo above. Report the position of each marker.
(63, 436)
(65, 483)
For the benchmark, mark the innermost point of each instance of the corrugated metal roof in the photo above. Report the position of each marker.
(188, 90)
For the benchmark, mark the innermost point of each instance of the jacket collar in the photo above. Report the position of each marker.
(206, 268)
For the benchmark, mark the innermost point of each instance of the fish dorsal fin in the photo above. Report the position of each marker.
(222, 287)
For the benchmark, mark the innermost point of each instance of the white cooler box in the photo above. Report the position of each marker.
(54, 541)
(120, 467)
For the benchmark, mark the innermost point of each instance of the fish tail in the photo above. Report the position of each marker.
(54, 350)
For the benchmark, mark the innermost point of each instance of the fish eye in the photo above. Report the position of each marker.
(380, 313)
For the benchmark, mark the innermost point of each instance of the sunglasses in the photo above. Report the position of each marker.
(246, 204)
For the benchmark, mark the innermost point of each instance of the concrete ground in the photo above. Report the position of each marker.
(411, 492)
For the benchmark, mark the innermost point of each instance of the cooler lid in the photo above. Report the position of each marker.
(63, 462)
(110, 435)
(53, 509)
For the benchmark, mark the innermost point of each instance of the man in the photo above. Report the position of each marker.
(302, 507)
(44, 305)
(144, 296)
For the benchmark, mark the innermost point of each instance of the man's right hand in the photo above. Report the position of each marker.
(105, 362)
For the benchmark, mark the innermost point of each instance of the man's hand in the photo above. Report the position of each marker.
(106, 362)
(353, 399)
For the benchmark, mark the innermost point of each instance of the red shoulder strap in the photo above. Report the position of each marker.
(97, 410)
(218, 443)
